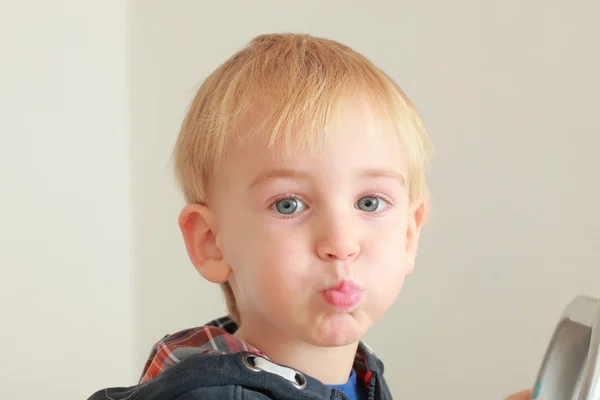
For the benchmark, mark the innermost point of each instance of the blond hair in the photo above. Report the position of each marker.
(300, 80)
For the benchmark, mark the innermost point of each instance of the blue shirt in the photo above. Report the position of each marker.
(352, 389)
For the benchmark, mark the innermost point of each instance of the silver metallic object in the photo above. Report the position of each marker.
(571, 367)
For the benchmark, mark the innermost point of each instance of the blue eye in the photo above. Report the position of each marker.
(288, 206)
(371, 204)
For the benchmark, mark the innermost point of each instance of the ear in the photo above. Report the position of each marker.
(416, 220)
(197, 225)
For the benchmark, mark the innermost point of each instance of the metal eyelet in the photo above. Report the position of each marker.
(248, 360)
(300, 381)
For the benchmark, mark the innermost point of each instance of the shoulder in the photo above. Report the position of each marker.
(201, 376)
(224, 376)
(138, 392)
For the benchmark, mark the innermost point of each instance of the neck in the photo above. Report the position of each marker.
(330, 365)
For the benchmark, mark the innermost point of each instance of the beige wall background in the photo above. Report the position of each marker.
(93, 267)
(66, 287)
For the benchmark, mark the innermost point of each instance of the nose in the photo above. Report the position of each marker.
(337, 241)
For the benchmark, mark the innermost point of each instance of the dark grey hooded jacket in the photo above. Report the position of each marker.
(208, 362)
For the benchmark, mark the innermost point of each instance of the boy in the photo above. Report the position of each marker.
(303, 166)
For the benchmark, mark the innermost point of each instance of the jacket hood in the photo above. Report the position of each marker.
(210, 362)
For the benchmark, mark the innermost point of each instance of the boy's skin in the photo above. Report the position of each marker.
(279, 264)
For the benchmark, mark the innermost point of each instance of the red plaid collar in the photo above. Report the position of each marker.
(216, 338)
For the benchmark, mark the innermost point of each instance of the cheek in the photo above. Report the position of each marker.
(282, 258)
(387, 270)
(266, 259)
(276, 277)
(386, 251)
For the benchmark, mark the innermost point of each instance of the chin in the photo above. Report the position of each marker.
(338, 329)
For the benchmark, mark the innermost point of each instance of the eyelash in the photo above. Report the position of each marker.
(381, 196)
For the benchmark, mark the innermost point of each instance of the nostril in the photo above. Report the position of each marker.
(341, 257)
(330, 250)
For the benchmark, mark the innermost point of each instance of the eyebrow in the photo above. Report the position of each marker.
(278, 174)
(383, 173)
(297, 174)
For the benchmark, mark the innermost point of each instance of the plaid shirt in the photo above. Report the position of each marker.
(215, 338)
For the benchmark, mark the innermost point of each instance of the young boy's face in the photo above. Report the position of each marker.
(290, 229)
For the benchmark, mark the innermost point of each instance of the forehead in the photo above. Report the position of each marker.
(357, 139)
(353, 119)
